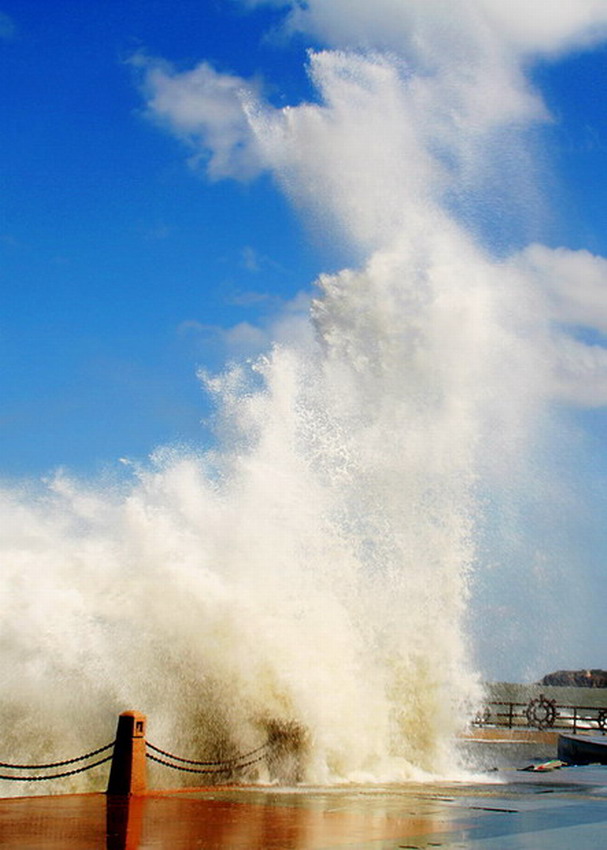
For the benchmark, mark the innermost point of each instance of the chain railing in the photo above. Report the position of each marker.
(208, 767)
(11, 777)
(130, 751)
(542, 713)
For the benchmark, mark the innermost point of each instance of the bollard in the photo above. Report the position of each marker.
(128, 771)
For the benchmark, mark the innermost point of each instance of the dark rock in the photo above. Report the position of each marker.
(576, 679)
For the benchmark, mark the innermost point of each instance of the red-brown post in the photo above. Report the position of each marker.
(128, 772)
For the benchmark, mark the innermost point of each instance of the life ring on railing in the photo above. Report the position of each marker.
(601, 719)
(541, 712)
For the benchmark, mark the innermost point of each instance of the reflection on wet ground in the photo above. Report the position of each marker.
(516, 811)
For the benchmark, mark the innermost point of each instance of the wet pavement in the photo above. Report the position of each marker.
(514, 810)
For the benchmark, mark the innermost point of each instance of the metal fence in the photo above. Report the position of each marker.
(542, 713)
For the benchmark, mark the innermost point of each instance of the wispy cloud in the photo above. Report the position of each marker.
(251, 260)
(248, 298)
(207, 110)
(240, 340)
(255, 261)
(288, 321)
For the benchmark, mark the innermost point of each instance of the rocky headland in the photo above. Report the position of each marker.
(576, 679)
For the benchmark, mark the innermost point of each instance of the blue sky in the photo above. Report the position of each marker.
(119, 261)
(109, 241)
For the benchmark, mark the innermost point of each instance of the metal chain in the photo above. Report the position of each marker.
(195, 770)
(57, 763)
(208, 763)
(57, 775)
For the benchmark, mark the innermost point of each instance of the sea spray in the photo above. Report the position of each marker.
(307, 577)
(308, 573)
(304, 581)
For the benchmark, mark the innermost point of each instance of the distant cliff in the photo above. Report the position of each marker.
(576, 679)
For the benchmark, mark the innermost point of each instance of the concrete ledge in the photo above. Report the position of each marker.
(513, 736)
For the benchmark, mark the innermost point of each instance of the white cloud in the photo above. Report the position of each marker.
(466, 85)
(563, 296)
(520, 25)
(574, 284)
(460, 44)
(206, 109)
(580, 373)
(548, 28)
(474, 49)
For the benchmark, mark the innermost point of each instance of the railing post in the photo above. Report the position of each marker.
(128, 771)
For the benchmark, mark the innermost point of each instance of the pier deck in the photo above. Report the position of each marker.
(519, 811)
